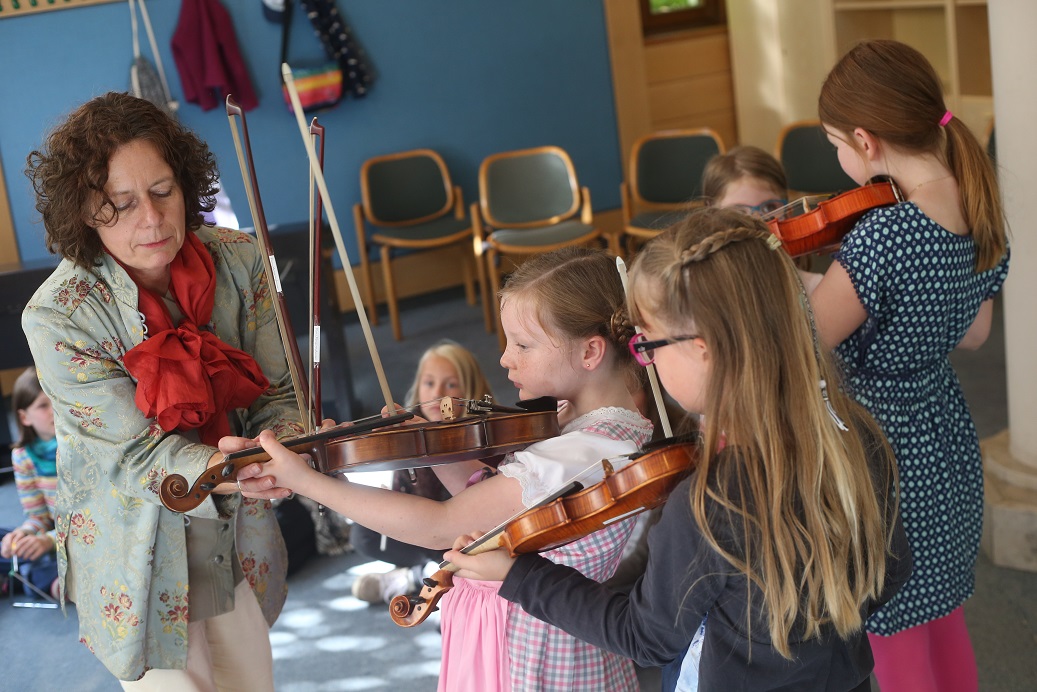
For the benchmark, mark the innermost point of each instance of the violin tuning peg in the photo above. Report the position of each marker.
(227, 469)
(207, 486)
(430, 582)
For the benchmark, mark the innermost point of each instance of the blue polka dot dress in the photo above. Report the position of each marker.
(916, 280)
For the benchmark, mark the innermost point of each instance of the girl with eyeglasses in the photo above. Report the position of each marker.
(747, 179)
(567, 334)
(787, 531)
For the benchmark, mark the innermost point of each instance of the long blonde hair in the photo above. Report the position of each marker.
(889, 89)
(474, 384)
(809, 531)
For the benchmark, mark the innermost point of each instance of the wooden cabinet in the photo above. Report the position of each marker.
(953, 34)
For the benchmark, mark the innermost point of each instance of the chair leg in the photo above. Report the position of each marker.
(484, 288)
(614, 245)
(466, 275)
(372, 306)
(390, 292)
(491, 264)
(365, 265)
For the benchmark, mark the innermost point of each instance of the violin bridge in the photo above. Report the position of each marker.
(606, 465)
(447, 409)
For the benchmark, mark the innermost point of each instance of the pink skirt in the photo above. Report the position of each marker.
(475, 641)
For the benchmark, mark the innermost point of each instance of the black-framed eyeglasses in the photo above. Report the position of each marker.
(643, 350)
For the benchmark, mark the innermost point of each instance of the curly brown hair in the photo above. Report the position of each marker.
(70, 171)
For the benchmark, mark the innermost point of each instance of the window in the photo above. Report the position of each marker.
(668, 15)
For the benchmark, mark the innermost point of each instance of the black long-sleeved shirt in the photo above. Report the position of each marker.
(685, 578)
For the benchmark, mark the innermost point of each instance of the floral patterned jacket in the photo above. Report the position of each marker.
(123, 554)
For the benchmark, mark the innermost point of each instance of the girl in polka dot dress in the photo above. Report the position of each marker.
(911, 283)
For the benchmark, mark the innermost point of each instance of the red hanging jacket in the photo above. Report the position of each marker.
(207, 57)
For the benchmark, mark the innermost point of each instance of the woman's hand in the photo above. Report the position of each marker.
(493, 565)
(27, 546)
(275, 479)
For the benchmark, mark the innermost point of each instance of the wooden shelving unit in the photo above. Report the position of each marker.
(953, 34)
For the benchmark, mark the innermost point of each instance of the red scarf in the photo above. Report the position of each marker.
(187, 377)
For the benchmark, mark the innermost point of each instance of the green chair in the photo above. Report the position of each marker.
(665, 179)
(409, 200)
(530, 202)
(810, 162)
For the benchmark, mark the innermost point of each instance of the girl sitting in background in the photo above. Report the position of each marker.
(34, 460)
(445, 369)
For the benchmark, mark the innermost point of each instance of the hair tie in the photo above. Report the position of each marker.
(773, 242)
(946, 118)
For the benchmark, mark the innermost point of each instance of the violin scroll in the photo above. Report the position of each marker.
(406, 611)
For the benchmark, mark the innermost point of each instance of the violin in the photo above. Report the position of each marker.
(568, 514)
(488, 430)
(817, 224)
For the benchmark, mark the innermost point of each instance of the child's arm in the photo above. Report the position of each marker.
(979, 330)
(838, 311)
(408, 518)
(653, 625)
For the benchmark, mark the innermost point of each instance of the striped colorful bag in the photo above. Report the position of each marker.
(319, 87)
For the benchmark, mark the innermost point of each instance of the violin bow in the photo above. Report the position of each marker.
(316, 245)
(322, 186)
(653, 378)
(248, 175)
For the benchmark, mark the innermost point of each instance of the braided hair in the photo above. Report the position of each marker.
(792, 489)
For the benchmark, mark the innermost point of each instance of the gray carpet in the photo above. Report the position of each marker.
(328, 641)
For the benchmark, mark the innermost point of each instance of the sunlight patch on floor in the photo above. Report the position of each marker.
(409, 671)
(348, 643)
(346, 604)
(301, 618)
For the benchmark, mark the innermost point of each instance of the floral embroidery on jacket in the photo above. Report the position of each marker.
(82, 527)
(174, 618)
(89, 418)
(71, 292)
(117, 611)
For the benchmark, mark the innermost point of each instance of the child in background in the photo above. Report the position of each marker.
(445, 369)
(563, 315)
(745, 178)
(786, 532)
(911, 283)
(34, 459)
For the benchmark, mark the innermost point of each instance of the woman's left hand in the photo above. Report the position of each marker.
(492, 565)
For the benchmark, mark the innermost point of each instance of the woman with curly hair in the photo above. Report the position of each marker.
(155, 337)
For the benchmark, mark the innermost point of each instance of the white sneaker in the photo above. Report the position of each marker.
(382, 588)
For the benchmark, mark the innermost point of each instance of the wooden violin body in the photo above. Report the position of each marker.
(489, 431)
(809, 226)
(428, 444)
(642, 484)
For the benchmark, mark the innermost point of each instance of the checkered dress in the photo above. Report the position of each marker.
(538, 656)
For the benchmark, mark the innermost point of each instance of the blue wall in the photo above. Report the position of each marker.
(463, 77)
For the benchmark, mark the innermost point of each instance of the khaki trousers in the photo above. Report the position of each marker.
(224, 653)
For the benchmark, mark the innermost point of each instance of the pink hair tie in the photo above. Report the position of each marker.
(946, 118)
